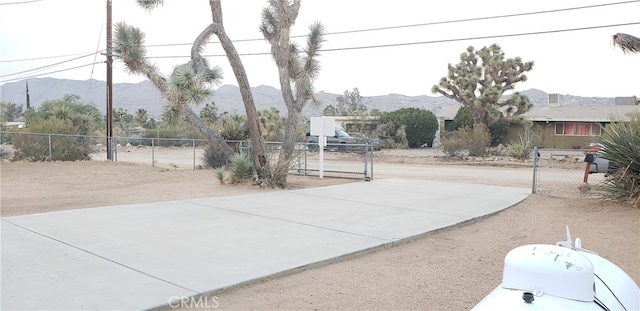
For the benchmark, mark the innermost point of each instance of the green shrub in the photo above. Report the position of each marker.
(242, 169)
(499, 132)
(621, 145)
(35, 147)
(462, 119)
(213, 156)
(420, 126)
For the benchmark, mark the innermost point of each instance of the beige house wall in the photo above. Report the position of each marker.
(549, 139)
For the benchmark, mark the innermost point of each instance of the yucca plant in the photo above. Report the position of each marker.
(219, 173)
(621, 145)
(521, 149)
(242, 168)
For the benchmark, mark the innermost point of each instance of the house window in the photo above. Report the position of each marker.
(578, 129)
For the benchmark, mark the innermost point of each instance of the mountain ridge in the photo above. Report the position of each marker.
(132, 96)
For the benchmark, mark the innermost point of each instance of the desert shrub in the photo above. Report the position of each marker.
(479, 140)
(465, 140)
(455, 143)
(621, 145)
(35, 147)
(241, 168)
(213, 157)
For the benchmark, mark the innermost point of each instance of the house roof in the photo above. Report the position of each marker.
(604, 113)
(448, 112)
(581, 113)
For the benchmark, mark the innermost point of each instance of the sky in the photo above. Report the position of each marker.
(62, 38)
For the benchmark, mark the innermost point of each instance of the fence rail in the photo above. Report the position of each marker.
(356, 161)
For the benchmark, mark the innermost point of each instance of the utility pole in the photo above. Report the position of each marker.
(109, 83)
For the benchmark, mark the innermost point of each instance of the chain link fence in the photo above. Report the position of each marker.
(354, 161)
(561, 173)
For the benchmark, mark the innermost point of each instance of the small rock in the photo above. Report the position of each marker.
(584, 188)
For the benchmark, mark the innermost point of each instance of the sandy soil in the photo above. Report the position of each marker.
(451, 269)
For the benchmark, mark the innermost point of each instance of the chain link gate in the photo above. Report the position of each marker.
(561, 173)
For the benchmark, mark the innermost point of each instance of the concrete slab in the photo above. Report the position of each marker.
(140, 256)
(40, 273)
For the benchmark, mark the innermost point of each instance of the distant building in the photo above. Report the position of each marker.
(563, 127)
(574, 127)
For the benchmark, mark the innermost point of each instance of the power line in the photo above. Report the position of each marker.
(473, 19)
(43, 57)
(365, 47)
(20, 2)
(482, 37)
(382, 28)
(50, 72)
(428, 42)
(428, 24)
(47, 66)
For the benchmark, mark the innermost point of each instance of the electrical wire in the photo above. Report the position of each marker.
(20, 2)
(352, 48)
(48, 73)
(378, 29)
(46, 66)
(400, 26)
(426, 42)
(43, 57)
(428, 24)
(94, 58)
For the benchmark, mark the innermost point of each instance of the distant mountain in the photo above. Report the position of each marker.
(227, 97)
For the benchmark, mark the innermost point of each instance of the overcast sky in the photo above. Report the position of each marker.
(581, 62)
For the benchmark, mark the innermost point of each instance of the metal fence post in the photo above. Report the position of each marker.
(50, 159)
(194, 153)
(153, 153)
(536, 156)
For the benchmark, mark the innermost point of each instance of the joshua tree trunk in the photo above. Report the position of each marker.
(212, 136)
(259, 154)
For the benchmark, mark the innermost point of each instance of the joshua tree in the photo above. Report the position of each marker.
(479, 81)
(627, 43)
(189, 83)
(295, 69)
(217, 28)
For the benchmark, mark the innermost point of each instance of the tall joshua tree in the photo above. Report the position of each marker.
(480, 79)
(296, 69)
(627, 43)
(199, 63)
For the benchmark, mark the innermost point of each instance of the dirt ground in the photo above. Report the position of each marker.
(451, 269)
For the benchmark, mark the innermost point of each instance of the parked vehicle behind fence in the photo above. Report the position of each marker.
(339, 141)
(598, 164)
